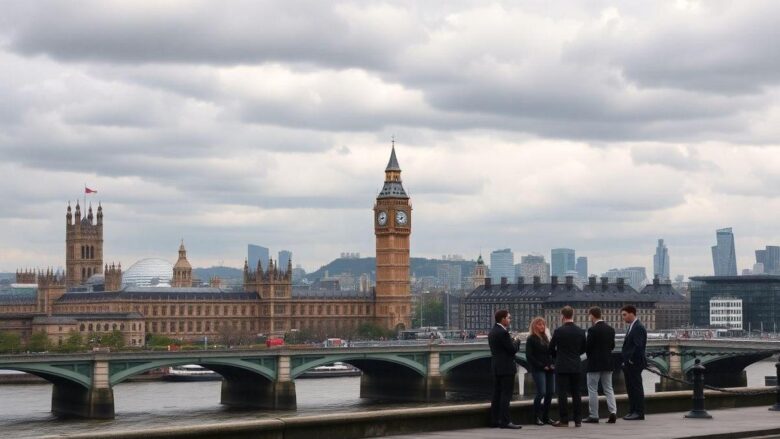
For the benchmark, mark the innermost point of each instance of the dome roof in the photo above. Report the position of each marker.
(149, 272)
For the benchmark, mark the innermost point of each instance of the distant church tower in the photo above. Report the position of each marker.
(480, 273)
(83, 245)
(182, 271)
(392, 227)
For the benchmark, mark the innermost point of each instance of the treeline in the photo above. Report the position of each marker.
(12, 343)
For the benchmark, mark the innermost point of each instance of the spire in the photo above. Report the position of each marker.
(392, 164)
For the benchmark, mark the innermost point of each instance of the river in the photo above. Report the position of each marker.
(24, 409)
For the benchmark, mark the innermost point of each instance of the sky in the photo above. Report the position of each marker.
(529, 125)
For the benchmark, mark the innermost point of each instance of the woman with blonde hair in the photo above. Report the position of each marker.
(540, 363)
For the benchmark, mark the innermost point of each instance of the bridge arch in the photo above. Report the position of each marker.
(726, 363)
(77, 373)
(120, 371)
(364, 362)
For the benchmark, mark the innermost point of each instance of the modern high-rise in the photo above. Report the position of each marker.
(257, 253)
(284, 258)
(724, 258)
(531, 266)
(661, 261)
(582, 268)
(769, 258)
(634, 276)
(562, 260)
(502, 264)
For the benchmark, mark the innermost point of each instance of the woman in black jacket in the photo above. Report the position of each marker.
(542, 369)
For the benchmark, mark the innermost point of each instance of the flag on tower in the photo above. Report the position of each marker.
(89, 191)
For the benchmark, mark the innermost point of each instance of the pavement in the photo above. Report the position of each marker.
(728, 423)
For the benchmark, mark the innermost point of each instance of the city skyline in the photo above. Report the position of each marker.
(505, 122)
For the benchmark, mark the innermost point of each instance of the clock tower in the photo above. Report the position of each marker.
(392, 227)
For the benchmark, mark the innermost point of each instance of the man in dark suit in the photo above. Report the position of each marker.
(566, 346)
(599, 346)
(502, 352)
(634, 361)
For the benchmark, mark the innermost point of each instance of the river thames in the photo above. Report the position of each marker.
(24, 409)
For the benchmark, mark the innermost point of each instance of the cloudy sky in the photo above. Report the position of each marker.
(528, 125)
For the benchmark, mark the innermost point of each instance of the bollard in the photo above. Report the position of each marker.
(698, 411)
(776, 407)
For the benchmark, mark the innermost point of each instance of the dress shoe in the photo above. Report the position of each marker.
(539, 422)
(634, 417)
(553, 422)
(561, 424)
(511, 426)
(590, 420)
(612, 418)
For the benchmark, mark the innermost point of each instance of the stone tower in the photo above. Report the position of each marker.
(480, 273)
(274, 286)
(113, 277)
(83, 245)
(182, 271)
(25, 276)
(51, 286)
(392, 227)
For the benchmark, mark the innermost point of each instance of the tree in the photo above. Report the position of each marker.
(10, 342)
(372, 331)
(433, 313)
(114, 340)
(73, 343)
(39, 342)
(159, 340)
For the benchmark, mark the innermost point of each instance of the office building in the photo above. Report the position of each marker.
(724, 258)
(562, 260)
(582, 268)
(769, 258)
(284, 257)
(531, 266)
(635, 276)
(257, 253)
(502, 264)
(726, 312)
(661, 261)
(760, 295)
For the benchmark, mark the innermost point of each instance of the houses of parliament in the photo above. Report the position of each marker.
(58, 303)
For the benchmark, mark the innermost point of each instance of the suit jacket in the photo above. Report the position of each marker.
(537, 353)
(633, 350)
(566, 346)
(502, 351)
(599, 346)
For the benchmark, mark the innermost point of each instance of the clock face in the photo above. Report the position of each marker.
(381, 218)
(401, 218)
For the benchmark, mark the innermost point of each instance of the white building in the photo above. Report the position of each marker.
(726, 312)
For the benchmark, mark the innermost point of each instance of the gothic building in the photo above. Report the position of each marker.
(268, 305)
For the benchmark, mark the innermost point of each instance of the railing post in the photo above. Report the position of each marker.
(698, 411)
(776, 407)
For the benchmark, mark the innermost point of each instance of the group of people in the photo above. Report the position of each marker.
(556, 359)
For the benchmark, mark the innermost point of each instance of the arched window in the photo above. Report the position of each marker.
(83, 273)
(81, 328)
(83, 255)
(113, 327)
(105, 326)
(90, 327)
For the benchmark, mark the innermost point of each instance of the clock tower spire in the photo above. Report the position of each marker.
(392, 228)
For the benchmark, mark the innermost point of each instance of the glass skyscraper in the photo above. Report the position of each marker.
(502, 264)
(724, 258)
(284, 258)
(562, 260)
(661, 261)
(582, 268)
(257, 253)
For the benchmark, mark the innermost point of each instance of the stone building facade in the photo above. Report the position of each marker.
(267, 305)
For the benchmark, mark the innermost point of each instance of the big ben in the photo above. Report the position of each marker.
(392, 227)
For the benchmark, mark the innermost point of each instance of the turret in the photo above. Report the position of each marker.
(99, 214)
(89, 215)
(51, 286)
(68, 216)
(78, 213)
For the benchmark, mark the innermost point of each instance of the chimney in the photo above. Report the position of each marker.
(621, 283)
(488, 283)
(554, 281)
(656, 281)
(569, 282)
(604, 283)
(537, 281)
(503, 281)
(592, 282)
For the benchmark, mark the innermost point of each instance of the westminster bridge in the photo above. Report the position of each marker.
(83, 383)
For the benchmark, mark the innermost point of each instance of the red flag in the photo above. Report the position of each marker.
(89, 191)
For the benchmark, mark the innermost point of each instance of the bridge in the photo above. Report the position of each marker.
(83, 383)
